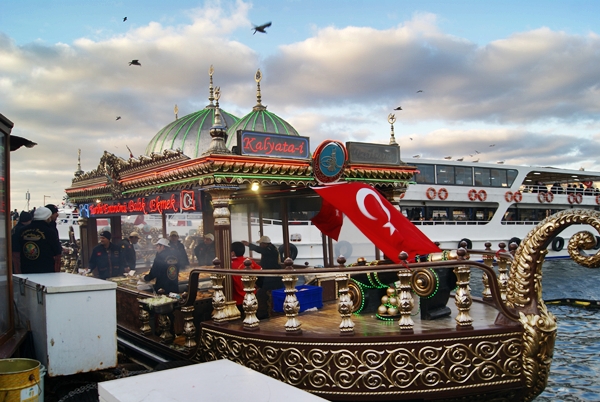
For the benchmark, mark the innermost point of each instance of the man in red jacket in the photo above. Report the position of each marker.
(237, 262)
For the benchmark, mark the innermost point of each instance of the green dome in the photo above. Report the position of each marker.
(190, 133)
(259, 119)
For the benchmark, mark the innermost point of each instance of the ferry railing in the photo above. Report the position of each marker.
(413, 277)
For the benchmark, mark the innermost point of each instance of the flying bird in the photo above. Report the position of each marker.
(460, 159)
(410, 138)
(493, 145)
(420, 90)
(477, 152)
(135, 62)
(124, 19)
(261, 28)
(118, 118)
(398, 108)
(417, 156)
(447, 157)
(500, 162)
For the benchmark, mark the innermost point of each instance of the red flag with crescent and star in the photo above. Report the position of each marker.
(374, 216)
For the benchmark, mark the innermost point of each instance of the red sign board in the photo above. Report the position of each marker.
(184, 201)
(275, 145)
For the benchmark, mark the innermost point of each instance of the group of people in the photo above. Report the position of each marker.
(36, 246)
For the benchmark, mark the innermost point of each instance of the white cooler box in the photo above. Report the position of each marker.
(73, 320)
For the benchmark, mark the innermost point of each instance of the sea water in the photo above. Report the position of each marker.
(575, 371)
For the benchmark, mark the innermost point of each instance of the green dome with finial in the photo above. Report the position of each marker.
(191, 133)
(259, 119)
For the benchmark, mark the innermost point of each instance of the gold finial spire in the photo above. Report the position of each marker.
(218, 131)
(78, 172)
(217, 111)
(211, 70)
(392, 120)
(258, 78)
(176, 111)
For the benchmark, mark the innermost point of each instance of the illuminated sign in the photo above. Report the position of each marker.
(373, 154)
(183, 201)
(275, 145)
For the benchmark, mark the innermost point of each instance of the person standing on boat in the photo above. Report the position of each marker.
(106, 258)
(205, 252)
(128, 251)
(269, 259)
(165, 268)
(178, 247)
(38, 248)
(237, 262)
(25, 219)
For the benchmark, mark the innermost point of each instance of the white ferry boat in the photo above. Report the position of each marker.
(451, 201)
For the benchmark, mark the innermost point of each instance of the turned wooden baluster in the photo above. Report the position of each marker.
(219, 315)
(189, 329)
(462, 297)
(502, 273)
(144, 317)
(405, 302)
(164, 323)
(250, 303)
(345, 305)
(291, 306)
(489, 261)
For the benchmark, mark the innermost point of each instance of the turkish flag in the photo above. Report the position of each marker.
(329, 220)
(377, 219)
(139, 220)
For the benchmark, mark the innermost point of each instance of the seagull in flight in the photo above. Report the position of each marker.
(420, 90)
(460, 159)
(124, 19)
(135, 62)
(118, 118)
(417, 156)
(493, 145)
(398, 108)
(410, 138)
(261, 28)
(447, 157)
(477, 152)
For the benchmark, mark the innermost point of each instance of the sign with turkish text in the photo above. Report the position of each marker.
(183, 201)
(275, 145)
(373, 154)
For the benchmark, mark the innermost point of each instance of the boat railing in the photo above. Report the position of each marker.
(448, 223)
(413, 277)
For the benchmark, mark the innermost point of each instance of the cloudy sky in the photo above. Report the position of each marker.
(522, 76)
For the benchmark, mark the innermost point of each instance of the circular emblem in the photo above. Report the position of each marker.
(172, 272)
(329, 160)
(32, 251)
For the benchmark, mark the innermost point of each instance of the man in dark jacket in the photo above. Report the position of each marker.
(205, 252)
(165, 268)
(179, 249)
(24, 219)
(269, 259)
(38, 248)
(128, 251)
(106, 257)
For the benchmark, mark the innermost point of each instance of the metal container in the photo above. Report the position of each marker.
(20, 380)
(73, 320)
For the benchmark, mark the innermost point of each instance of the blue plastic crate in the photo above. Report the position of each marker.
(308, 297)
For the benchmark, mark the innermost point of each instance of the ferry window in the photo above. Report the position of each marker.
(511, 175)
(464, 176)
(426, 174)
(445, 174)
(498, 178)
(482, 177)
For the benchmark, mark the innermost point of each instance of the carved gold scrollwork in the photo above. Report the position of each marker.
(423, 282)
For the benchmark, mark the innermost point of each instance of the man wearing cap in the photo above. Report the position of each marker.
(269, 259)
(165, 268)
(106, 258)
(38, 248)
(179, 249)
(205, 252)
(128, 251)
(53, 218)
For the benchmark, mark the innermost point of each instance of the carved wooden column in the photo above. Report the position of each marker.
(489, 261)
(250, 304)
(462, 297)
(345, 305)
(291, 306)
(502, 273)
(222, 224)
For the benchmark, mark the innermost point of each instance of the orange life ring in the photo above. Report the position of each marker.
(472, 194)
(431, 193)
(542, 197)
(549, 197)
(442, 193)
(571, 198)
(578, 198)
(598, 199)
(588, 184)
(482, 195)
(518, 196)
(508, 196)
